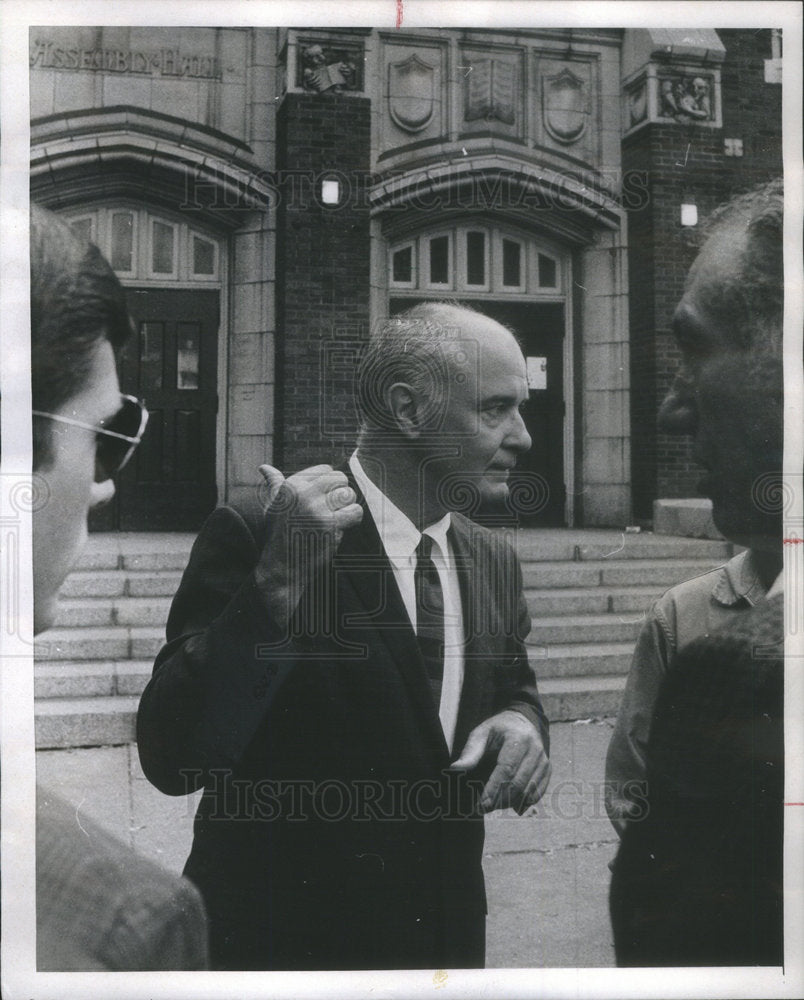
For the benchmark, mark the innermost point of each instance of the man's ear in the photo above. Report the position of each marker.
(406, 409)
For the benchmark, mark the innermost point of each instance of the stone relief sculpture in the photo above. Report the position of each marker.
(565, 106)
(685, 98)
(327, 69)
(411, 93)
(490, 91)
(638, 104)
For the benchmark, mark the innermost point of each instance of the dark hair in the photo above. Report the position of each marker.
(751, 300)
(411, 347)
(76, 302)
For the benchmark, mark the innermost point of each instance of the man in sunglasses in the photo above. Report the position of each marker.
(99, 906)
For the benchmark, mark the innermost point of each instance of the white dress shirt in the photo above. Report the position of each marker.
(400, 537)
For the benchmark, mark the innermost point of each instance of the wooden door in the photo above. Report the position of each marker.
(539, 475)
(171, 363)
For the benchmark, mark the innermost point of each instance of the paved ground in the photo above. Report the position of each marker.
(546, 873)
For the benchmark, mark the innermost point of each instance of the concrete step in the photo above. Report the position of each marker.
(569, 698)
(119, 583)
(580, 660)
(591, 601)
(602, 573)
(95, 612)
(586, 628)
(136, 550)
(85, 722)
(590, 544)
(83, 584)
(117, 642)
(88, 679)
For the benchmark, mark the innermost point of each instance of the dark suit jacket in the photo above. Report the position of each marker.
(330, 834)
(100, 906)
(698, 881)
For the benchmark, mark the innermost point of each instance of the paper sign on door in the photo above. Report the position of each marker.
(537, 373)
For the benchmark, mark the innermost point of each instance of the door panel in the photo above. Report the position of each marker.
(537, 488)
(537, 485)
(171, 362)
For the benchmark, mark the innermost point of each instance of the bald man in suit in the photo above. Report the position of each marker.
(353, 711)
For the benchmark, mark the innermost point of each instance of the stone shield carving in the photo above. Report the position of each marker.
(411, 93)
(565, 106)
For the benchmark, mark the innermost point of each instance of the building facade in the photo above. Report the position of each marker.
(266, 195)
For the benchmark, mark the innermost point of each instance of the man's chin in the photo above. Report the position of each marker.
(494, 491)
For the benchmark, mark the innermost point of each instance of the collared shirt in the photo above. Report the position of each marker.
(400, 538)
(689, 610)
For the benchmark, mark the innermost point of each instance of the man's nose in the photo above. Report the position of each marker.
(101, 493)
(677, 414)
(518, 437)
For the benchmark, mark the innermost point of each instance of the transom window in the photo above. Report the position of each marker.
(470, 259)
(145, 247)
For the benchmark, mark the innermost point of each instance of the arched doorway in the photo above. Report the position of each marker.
(173, 277)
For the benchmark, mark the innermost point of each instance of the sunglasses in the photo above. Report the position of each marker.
(118, 435)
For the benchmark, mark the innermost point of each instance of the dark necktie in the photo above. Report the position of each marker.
(430, 615)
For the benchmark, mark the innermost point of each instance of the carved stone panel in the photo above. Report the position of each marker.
(324, 68)
(566, 105)
(411, 93)
(681, 94)
(637, 104)
(686, 98)
(492, 91)
(414, 97)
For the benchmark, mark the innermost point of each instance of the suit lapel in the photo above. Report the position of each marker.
(476, 664)
(363, 568)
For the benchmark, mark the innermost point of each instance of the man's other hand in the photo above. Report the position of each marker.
(309, 512)
(522, 770)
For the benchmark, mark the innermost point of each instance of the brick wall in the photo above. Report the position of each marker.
(323, 257)
(686, 162)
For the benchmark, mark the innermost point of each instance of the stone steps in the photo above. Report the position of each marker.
(587, 592)
(600, 573)
(571, 601)
(586, 629)
(85, 722)
(117, 642)
(566, 698)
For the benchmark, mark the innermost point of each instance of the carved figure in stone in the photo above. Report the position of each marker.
(700, 92)
(321, 75)
(684, 99)
(669, 104)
